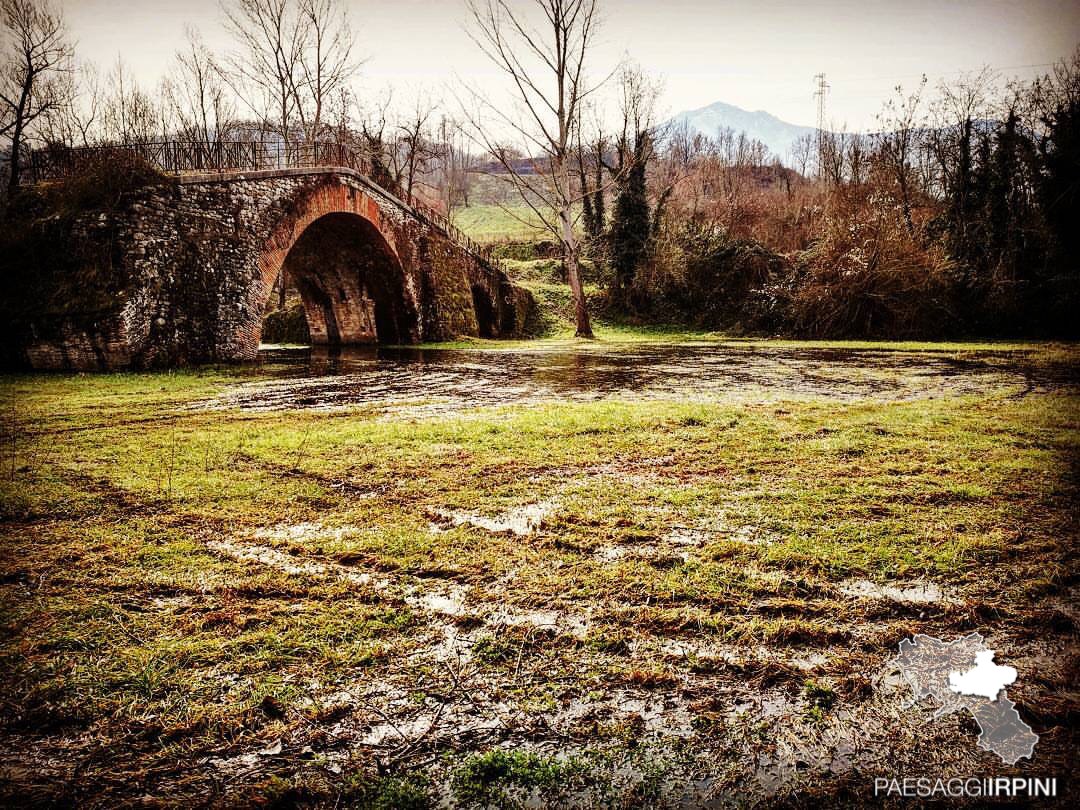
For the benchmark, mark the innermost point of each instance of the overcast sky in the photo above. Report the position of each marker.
(758, 55)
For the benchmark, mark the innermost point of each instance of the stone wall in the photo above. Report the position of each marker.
(202, 254)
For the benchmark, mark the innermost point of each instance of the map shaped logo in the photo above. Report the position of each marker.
(962, 674)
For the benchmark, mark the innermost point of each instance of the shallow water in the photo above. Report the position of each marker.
(452, 379)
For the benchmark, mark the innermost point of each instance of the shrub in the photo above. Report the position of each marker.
(868, 276)
(58, 247)
(286, 326)
(701, 275)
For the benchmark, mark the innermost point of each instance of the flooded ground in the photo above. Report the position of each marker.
(442, 380)
(677, 579)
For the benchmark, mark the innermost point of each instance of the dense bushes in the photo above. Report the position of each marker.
(868, 276)
(701, 275)
(287, 325)
(57, 246)
(957, 222)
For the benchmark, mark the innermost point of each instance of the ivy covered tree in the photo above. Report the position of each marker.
(629, 234)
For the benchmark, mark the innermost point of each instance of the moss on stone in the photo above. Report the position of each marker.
(286, 326)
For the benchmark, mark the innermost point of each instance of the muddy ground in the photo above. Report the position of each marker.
(664, 576)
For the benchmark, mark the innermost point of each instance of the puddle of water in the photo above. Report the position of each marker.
(698, 536)
(720, 652)
(293, 532)
(661, 713)
(689, 537)
(428, 382)
(810, 662)
(443, 599)
(447, 599)
(385, 716)
(773, 772)
(915, 593)
(521, 520)
(645, 551)
(282, 561)
(561, 622)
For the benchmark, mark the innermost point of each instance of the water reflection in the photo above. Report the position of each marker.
(452, 378)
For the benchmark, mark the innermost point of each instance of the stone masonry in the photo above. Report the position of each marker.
(201, 254)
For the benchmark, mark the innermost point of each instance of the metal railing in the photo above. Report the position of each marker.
(195, 157)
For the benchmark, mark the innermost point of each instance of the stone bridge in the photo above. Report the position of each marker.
(201, 253)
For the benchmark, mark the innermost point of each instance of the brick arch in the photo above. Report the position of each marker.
(343, 255)
(327, 198)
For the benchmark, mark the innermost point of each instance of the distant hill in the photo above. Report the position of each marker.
(776, 134)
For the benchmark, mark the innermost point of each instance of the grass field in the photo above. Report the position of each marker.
(598, 600)
(488, 222)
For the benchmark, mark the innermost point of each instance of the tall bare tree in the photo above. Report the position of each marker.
(129, 113)
(76, 118)
(633, 142)
(35, 53)
(293, 58)
(327, 61)
(197, 95)
(639, 95)
(458, 162)
(414, 148)
(544, 55)
(902, 129)
(265, 70)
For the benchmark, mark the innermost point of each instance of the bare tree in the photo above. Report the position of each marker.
(458, 163)
(802, 153)
(633, 142)
(545, 64)
(685, 149)
(344, 103)
(129, 114)
(898, 141)
(856, 160)
(832, 146)
(265, 70)
(956, 114)
(293, 59)
(591, 156)
(36, 52)
(326, 60)
(196, 93)
(76, 117)
(378, 145)
(639, 95)
(413, 148)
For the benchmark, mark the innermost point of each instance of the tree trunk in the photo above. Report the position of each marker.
(17, 135)
(573, 274)
(570, 250)
(570, 256)
(16, 167)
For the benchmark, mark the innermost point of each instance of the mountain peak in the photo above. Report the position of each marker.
(778, 135)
